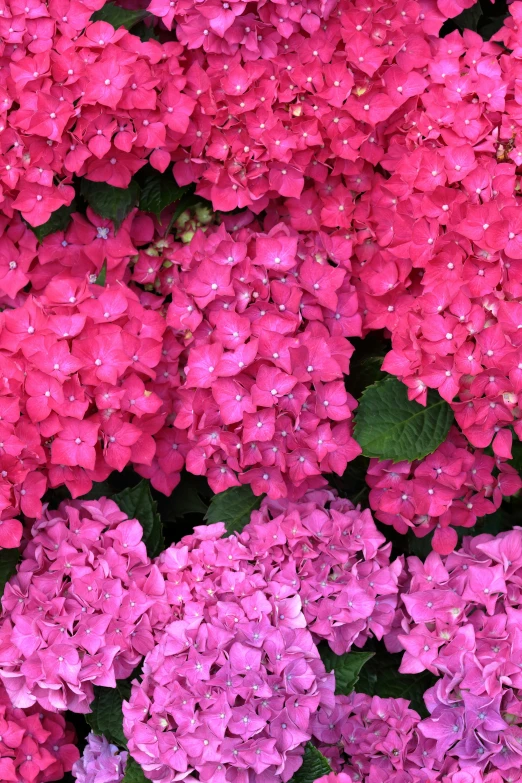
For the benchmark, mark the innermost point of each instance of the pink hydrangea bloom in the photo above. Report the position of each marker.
(77, 364)
(335, 558)
(450, 488)
(235, 675)
(459, 618)
(256, 355)
(232, 682)
(374, 740)
(101, 762)
(81, 609)
(36, 746)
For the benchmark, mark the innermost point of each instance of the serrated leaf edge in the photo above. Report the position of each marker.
(423, 409)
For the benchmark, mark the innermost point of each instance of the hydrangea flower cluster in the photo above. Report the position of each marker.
(77, 364)
(374, 740)
(235, 676)
(101, 762)
(296, 97)
(260, 321)
(339, 564)
(81, 609)
(459, 618)
(35, 746)
(450, 488)
(81, 98)
(436, 238)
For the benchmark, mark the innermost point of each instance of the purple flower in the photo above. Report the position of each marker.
(101, 762)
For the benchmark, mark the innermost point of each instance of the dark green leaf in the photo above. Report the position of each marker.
(389, 426)
(314, 766)
(100, 489)
(469, 18)
(233, 507)
(145, 32)
(118, 16)
(486, 31)
(191, 496)
(345, 667)
(138, 503)
(106, 716)
(133, 772)
(159, 191)
(419, 546)
(58, 221)
(110, 202)
(380, 677)
(352, 484)
(102, 277)
(8, 561)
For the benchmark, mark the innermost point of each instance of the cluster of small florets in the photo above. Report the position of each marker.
(101, 762)
(36, 746)
(233, 680)
(437, 259)
(295, 98)
(374, 740)
(77, 366)
(258, 326)
(332, 555)
(84, 99)
(81, 609)
(460, 618)
(450, 488)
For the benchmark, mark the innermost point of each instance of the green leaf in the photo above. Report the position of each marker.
(380, 677)
(8, 561)
(233, 507)
(145, 32)
(314, 766)
(389, 426)
(345, 667)
(102, 277)
(352, 484)
(191, 496)
(118, 17)
(159, 191)
(110, 202)
(488, 30)
(58, 221)
(133, 772)
(106, 716)
(469, 18)
(138, 503)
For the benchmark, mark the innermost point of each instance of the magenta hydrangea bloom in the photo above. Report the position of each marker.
(460, 619)
(232, 683)
(101, 762)
(81, 609)
(256, 353)
(77, 362)
(375, 740)
(336, 560)
(371, 739)
(450, 488)
(36, 746)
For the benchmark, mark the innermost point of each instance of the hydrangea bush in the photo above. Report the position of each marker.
(260, 431)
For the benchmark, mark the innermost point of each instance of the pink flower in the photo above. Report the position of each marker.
(53, 659)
